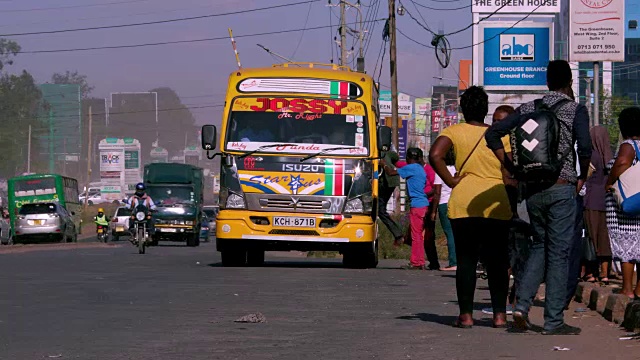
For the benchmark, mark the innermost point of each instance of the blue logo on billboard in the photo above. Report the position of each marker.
(520, 47)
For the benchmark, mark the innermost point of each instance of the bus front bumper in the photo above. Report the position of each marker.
(256, 230)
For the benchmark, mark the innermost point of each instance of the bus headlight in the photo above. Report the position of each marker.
(362, 204)
(231, 200)
(235, 201)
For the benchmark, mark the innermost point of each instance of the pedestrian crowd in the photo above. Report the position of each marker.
(537, 196)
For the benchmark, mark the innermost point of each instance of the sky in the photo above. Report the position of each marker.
(198, 71)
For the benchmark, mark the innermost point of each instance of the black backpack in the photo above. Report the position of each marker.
(535, 143)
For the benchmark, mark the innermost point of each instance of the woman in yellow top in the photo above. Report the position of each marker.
(479, 207)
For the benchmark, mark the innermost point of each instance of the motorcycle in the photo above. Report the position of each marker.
(141, 217)
(102, 233)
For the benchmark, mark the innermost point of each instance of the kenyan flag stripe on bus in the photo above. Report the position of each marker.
(343, 89)
(334, 177)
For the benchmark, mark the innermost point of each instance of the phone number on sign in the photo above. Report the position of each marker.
(596, 47)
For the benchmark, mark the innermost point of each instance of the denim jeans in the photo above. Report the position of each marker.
(553, 214)
(443, 211)
(575, 256)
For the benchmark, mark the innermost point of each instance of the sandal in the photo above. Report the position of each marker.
(589, 278)
(458, 324)
(604, 280)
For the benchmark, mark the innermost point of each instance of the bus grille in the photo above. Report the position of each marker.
(294, 232)
(301, 205)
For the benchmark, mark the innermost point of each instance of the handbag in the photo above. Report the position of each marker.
(471, 153)
(627, 187)
(588, 249)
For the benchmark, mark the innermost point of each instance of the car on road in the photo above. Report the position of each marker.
(119, 224)
(48, 221)
(212, 213)
(205, 230)
(95, 197)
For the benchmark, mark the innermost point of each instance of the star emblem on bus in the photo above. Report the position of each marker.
(295, 183)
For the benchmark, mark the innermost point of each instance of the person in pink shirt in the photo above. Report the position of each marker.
(429, 225)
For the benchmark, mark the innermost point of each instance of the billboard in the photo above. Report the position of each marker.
(516, 57)
(596, 30)
(423, 110)
(405, 106)
(111, 160)
(159, 154)
(516, 6)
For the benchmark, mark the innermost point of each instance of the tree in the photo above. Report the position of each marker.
(73, 78)
(19, 105)
(612, 105)
(8, 50)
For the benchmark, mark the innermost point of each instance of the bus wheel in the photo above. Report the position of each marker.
(234, 258)
(255, 257)
(361, 257)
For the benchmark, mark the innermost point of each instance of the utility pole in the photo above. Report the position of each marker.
(596, 93)
(441, 121)
(29, 151)
(343, 34)
(86, 197)
(51, 165)
(588, 102)
(64, 150)
(394, 72)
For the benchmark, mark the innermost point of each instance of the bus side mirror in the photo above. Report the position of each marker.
(209, 137)
(384, 138)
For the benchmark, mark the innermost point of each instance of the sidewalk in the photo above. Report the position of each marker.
(617, 308)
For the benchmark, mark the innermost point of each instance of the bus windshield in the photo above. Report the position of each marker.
(33, 187)
(298, 128)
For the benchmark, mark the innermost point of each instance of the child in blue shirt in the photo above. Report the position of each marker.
(416, 178)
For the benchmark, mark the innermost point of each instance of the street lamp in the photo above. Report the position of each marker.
(450, 79)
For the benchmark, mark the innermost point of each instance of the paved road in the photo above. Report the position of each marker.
(179, 303)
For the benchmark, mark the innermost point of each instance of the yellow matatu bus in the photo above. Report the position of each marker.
(300, 144)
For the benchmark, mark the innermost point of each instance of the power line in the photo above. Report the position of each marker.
(500, 33)
(306, 21)
(413, 40)
(440, 9)
(419, 13)
(159, 21)
(176, 41)
(74, 6)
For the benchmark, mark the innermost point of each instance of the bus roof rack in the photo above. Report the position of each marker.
(312, 65)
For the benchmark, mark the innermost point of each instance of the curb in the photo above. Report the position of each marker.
(616, 308)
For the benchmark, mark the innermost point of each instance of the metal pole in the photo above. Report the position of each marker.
(394, 73)
(64, 150)
(29, 151)
(157, 130)
(441, 124)
(588, 94)
(343, 34)
(596, 93)
(86, 197)
(51, 165)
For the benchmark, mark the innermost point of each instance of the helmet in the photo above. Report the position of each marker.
(140, 187)
(101, 210)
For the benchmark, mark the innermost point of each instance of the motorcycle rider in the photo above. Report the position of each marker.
(101, 220)
(134, 201)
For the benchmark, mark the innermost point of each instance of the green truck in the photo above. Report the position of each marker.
(177, 190)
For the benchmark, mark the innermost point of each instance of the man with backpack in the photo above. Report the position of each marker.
(543, 134)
